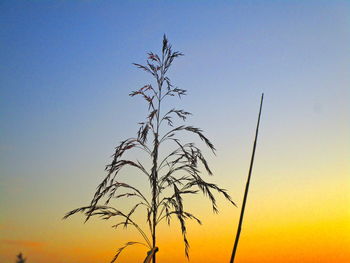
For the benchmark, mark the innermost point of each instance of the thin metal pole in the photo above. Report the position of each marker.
(247, 186)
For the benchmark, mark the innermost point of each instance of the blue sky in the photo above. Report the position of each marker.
(66, 72)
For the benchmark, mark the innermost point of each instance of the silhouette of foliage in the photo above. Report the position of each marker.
(20, 258)
(178, 173)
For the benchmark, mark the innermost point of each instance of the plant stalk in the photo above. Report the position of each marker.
(247, 186)
(155, 170)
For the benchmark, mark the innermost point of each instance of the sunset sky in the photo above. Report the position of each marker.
(65, 75)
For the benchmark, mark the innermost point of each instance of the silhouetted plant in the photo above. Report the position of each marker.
(240, 222)
(20, 258)
(178, 172)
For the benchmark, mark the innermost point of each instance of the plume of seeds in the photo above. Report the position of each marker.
(178, 172)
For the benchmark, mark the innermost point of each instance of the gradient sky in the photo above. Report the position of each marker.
(65, 76)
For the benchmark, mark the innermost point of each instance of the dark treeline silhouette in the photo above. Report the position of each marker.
(20, 258)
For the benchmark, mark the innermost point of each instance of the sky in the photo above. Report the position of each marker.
(65, 75)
